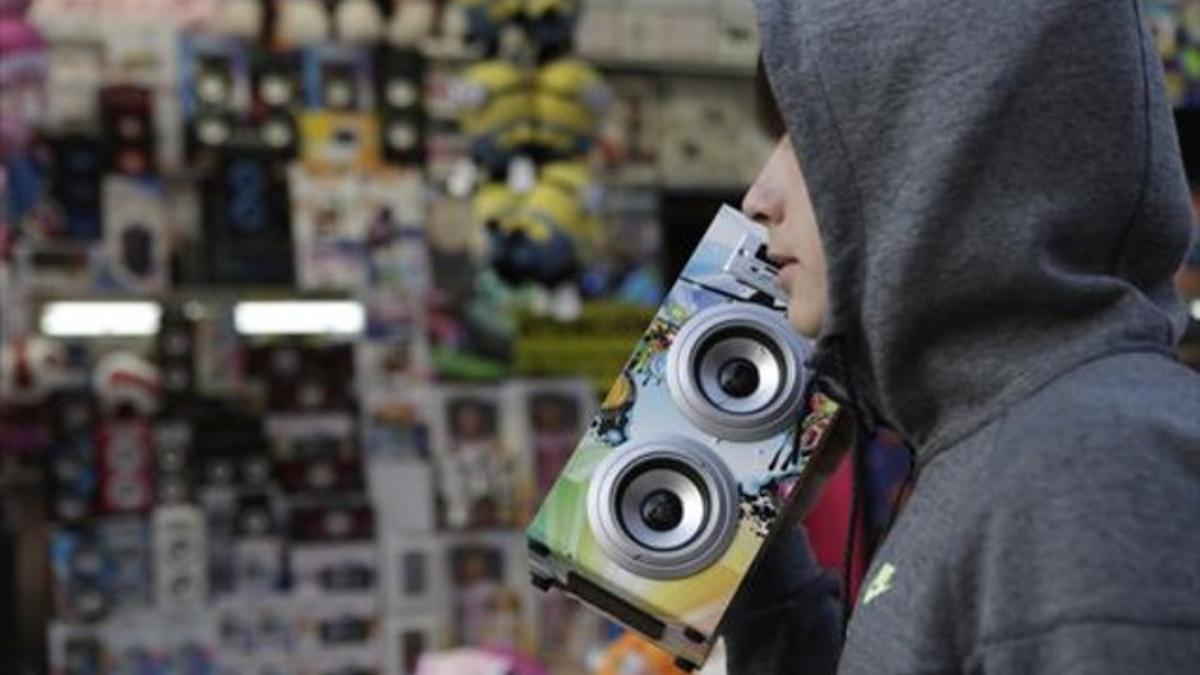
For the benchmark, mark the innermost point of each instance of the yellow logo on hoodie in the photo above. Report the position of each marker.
(882, 583)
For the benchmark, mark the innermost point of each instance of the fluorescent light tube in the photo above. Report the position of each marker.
(100, 318)
(300, 317)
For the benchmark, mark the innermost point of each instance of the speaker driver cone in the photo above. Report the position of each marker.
(737, 372)
(664, 508)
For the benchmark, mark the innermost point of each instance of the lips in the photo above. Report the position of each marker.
(787, 268)
(787, 272)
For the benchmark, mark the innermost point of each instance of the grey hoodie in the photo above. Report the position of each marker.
(1001, 198)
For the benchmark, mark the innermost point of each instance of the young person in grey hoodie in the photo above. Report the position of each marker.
(979, 206)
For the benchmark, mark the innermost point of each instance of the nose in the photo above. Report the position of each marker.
(761, 206)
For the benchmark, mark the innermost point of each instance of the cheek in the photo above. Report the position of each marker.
(806, 309)
(804, 322)
(809, 291)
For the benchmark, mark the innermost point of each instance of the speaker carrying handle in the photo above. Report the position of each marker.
(826, 457)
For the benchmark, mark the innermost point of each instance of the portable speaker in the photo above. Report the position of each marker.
(127, 120)
(337, 78)
(278, 82)
(278, 94)
(279, 131)
(327, 523)
(173, 451)
(216, 92)
(325, 476)
(180, 557)
(175, 356)
(400, 92)
(126, 451)
(697, 454)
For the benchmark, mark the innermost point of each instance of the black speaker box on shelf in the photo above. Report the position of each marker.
(330, 475)
(305, 378)
(339, 77)
(175, 353)
(400, 93)
(173, 452)
(278, 82)
(336, 521)
(279, 131)
(227, 445)
(127, 122)
(215, 91)
(278, 96)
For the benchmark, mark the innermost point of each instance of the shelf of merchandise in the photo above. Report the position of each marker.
(721, 70)
(620, 65)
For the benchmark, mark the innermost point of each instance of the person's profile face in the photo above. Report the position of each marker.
(779, 200)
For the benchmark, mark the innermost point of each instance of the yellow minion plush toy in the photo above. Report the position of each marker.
(570, 194)
(495, 111)
(531, 245)
(551, 24)
(569, 99)
(485, 20)
(545, 235)
(493, 204)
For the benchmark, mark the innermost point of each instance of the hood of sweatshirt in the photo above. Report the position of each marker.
(997, 207)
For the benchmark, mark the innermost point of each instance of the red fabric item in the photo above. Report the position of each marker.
(829, 524)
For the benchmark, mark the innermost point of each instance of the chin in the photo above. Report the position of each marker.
(804, 320)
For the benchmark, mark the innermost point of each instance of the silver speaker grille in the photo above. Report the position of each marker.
(737, 372)
(663, 508)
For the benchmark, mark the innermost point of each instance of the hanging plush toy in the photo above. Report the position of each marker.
(569, 100)
(484, 22)
(551, 25)
(358, 22)
(302, 23)
(240, 18)
(126, 385)
(495, 112)
(30, 370)
(412, 22)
